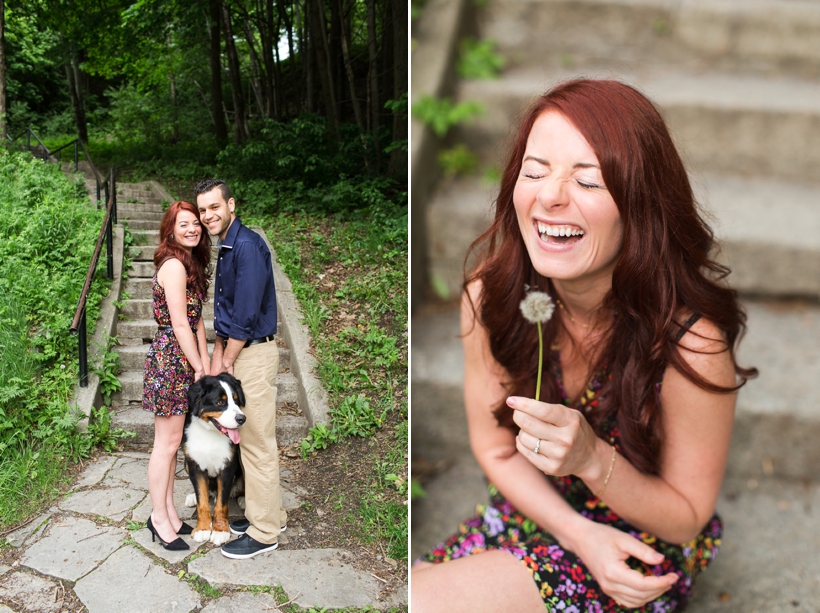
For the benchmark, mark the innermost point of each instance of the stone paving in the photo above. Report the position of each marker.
(94, 542)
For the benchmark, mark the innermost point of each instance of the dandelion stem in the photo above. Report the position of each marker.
(540, 363)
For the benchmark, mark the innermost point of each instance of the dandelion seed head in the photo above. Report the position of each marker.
(537, 307)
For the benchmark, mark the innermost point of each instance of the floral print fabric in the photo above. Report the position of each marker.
(562, 578)
(167, 372)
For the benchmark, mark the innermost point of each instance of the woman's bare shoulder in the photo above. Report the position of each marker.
(703, 348)
(171, 269)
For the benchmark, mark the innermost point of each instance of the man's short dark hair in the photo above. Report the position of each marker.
(208, 184)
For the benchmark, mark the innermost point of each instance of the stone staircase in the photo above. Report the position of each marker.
(739, 84)
(139, 206)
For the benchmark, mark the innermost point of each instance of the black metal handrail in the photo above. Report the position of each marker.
(78, 324)
(107, 186)
(28, 133)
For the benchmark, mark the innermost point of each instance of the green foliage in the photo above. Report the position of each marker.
(320, 437)
(416, 490)
(100, 432)
(108, 369)
(458, 160)
(293, 166)
(32, 82)
(31, 475)
(47, 238)
(442, 114)
(479, 59)
(46, 241)
(399, 108)
(355, 417)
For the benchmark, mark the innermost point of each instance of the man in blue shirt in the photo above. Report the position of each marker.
(245, 322)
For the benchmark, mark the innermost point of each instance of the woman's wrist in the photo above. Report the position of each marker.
(599, 471)
(571, 532)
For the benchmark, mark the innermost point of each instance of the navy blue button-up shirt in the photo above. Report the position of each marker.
(244, 294)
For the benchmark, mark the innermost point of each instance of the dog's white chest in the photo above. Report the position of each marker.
(208, 447)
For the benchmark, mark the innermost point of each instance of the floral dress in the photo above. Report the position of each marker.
(563, 580)
(168, 375)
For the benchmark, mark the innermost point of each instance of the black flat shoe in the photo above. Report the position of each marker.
(185, 529)
(175, 545)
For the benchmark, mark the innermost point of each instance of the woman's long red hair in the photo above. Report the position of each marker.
(197, 262)
(663, 271)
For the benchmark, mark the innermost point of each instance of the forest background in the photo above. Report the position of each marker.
(301, 106)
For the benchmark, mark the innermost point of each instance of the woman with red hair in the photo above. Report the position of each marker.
(178, 356)
(603, 490)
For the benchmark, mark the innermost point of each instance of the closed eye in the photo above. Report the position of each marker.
(588, 185)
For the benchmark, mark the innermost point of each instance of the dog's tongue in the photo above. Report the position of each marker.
(233, 434)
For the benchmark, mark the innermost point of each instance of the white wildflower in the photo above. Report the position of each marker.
(537, 307)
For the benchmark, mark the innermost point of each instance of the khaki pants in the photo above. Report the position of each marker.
(256, 368)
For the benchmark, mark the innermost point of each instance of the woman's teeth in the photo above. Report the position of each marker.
(559, 231)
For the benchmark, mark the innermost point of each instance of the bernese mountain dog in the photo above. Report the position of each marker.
(210, 442)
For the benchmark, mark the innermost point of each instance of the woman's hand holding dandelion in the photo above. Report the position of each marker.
(556, 439)
(569, 445)
(537, 308)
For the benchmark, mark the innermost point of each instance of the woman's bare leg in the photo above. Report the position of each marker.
(176, 522)
(493, 581)
(167, 437)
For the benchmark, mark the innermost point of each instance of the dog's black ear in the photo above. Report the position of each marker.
(236, 385)
(240, 394)
(195, 394)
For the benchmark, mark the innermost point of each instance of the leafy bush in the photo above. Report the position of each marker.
(47, 237)
(479, 59)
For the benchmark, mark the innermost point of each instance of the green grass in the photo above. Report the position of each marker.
(31, 476)
(47, 235)
(350, 276)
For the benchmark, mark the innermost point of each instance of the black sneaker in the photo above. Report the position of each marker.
(240, 526)
(246, 547)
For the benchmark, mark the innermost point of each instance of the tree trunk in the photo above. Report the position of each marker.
(241, 129)
(174, 110)
(306, 44)
(293, 79)
(398, 156)
(357, 111)
(268, 43)
(255, 81)
(373, 75)
(71, 74)
(334, 55)
(276, 75)
(320, 48)
(214, 19)
(3, 122)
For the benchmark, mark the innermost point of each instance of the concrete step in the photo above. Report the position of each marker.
(139, 207)
(132, 357)
(143, 224)
(146, 237)
(722, 122)
(142, 253)
(141, 287)
(764, 35)
(766, 258)
(131, 392)
(289, 428)
(143, 308)
(135, 190)
(141, 331)
(142, 270)
(132, 215)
